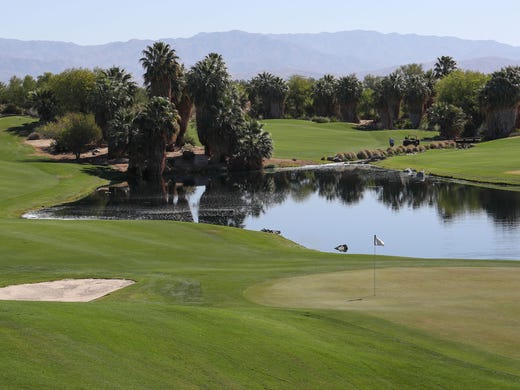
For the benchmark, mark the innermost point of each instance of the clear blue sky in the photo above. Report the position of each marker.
(102, 21)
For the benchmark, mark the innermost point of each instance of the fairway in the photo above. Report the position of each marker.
(311, 141)
(478, 306)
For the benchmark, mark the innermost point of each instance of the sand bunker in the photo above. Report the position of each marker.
(67, 290)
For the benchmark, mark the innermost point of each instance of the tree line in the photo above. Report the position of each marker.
(81, 106)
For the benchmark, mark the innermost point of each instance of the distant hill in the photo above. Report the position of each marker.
(247, 54)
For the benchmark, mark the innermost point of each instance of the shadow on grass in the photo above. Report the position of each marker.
(25, 129)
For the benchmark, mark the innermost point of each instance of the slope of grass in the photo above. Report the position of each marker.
(185, 323)
(27, 181)
(492, 162)
(312, 141)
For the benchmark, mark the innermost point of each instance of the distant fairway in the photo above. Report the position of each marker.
(478, 306)
(311, 141)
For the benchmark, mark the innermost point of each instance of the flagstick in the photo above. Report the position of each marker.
(374, 269)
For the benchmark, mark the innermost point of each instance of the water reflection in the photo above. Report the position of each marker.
(319, 202)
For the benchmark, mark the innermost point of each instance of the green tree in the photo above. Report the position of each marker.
(444, 66)
(253, 146)
(72, 88)
(209, 84)
(74, 132)
(324, 96)
(348, 94)
(183, 101)
(388, 95)
(448, 119)
(14, 92)
(161, 67)
(113, 90)
(45, 102)
(152, 129)
(416, 92)
(299, 98)
(268, 94)
(500, 99)
(462, 89)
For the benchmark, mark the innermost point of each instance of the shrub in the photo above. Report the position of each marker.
(320, 119)
(73, 133)
(351, 156)
(362, 155)
(34, 136)
(448, 119)
(12, 109)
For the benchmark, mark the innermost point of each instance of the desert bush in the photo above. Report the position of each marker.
(34, 136)
(351, 156)
(73, 133)
(362, 155)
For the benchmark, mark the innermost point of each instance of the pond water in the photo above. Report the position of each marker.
(322, 208)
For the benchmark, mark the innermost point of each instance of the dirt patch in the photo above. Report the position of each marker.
(67, 290)
(513, 173)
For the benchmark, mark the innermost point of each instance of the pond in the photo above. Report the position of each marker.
(322, 208)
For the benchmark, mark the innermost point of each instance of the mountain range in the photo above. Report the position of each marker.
(247, 54)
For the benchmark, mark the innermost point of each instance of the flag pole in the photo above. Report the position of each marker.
(374, 265)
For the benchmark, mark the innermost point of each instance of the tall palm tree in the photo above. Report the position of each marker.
(153, 127)
(209, 84)
(388, 95)
(416, 93)
(500, 99)
(114, 90)
(269, 92)
(348, 93)
(161, 66)
(324, 96)
(444, 66)
(183, 101)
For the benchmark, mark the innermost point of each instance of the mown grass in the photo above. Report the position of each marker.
(491, 162)
(307, 140)
(186, 322)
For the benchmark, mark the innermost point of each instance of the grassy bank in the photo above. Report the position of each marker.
(490, 162)
(186, 322)
(307, 140)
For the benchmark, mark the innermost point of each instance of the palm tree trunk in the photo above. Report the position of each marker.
(500, 123)
(184, 108)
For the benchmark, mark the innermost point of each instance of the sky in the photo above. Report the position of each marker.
(102, 21)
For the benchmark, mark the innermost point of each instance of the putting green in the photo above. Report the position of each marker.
(477, 306)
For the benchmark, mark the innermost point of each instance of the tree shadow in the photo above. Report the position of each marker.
(24, 130)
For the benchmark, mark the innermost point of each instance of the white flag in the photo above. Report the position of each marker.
(378, 241)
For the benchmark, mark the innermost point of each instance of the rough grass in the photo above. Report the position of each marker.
(185, 323)
(489, 162)
(308, 140)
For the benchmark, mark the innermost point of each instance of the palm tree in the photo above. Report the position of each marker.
(324, 96)
(161, 66)
(208, 85)
(269, 92)
(444, 66)
(253, 146)
(153, 127)
(348, 93)
(183, 101)
(416, 93)
(45, 102)
(500, 99)
(114, 90)
(388, 95)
